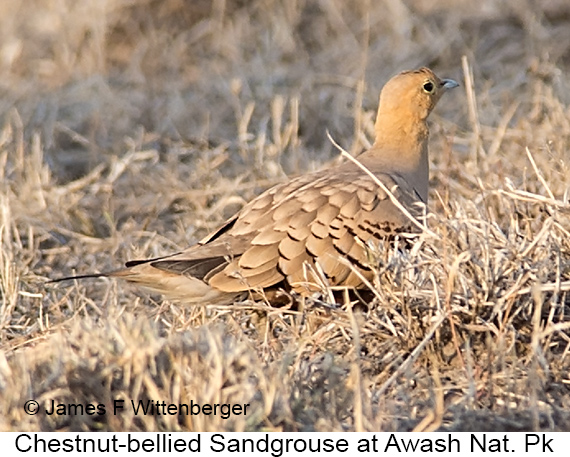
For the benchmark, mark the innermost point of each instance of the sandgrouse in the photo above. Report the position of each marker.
(315, 224)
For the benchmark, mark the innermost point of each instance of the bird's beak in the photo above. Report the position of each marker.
(447, 84)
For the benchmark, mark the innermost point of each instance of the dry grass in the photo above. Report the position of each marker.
(130, 129)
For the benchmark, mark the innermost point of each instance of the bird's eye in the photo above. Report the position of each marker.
(428, 87)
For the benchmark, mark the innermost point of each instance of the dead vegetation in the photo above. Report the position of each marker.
(130, 129)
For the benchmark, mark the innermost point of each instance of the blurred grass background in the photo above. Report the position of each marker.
(131, 128)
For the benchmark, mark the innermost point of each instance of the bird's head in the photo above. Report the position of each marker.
(413, 94)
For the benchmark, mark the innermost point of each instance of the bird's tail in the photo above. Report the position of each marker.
(87, 276)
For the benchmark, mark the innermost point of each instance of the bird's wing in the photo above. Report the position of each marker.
(316, 218)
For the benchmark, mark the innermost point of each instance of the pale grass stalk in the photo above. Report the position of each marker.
(501, 129)
(539, 174)
(383, 186)
(9, 277)
(477, 153)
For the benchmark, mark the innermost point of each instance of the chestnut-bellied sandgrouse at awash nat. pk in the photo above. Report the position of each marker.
(318, 223)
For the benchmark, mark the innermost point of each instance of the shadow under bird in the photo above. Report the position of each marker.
(317, 224)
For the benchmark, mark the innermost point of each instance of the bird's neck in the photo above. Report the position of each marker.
(401, 147)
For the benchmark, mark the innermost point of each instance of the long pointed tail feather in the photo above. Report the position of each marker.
(87, 276)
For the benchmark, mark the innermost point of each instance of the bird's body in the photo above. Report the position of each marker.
(314, 225)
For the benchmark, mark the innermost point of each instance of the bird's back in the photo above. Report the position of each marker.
(316, 223)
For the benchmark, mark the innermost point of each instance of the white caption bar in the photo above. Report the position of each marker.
(282, 444)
